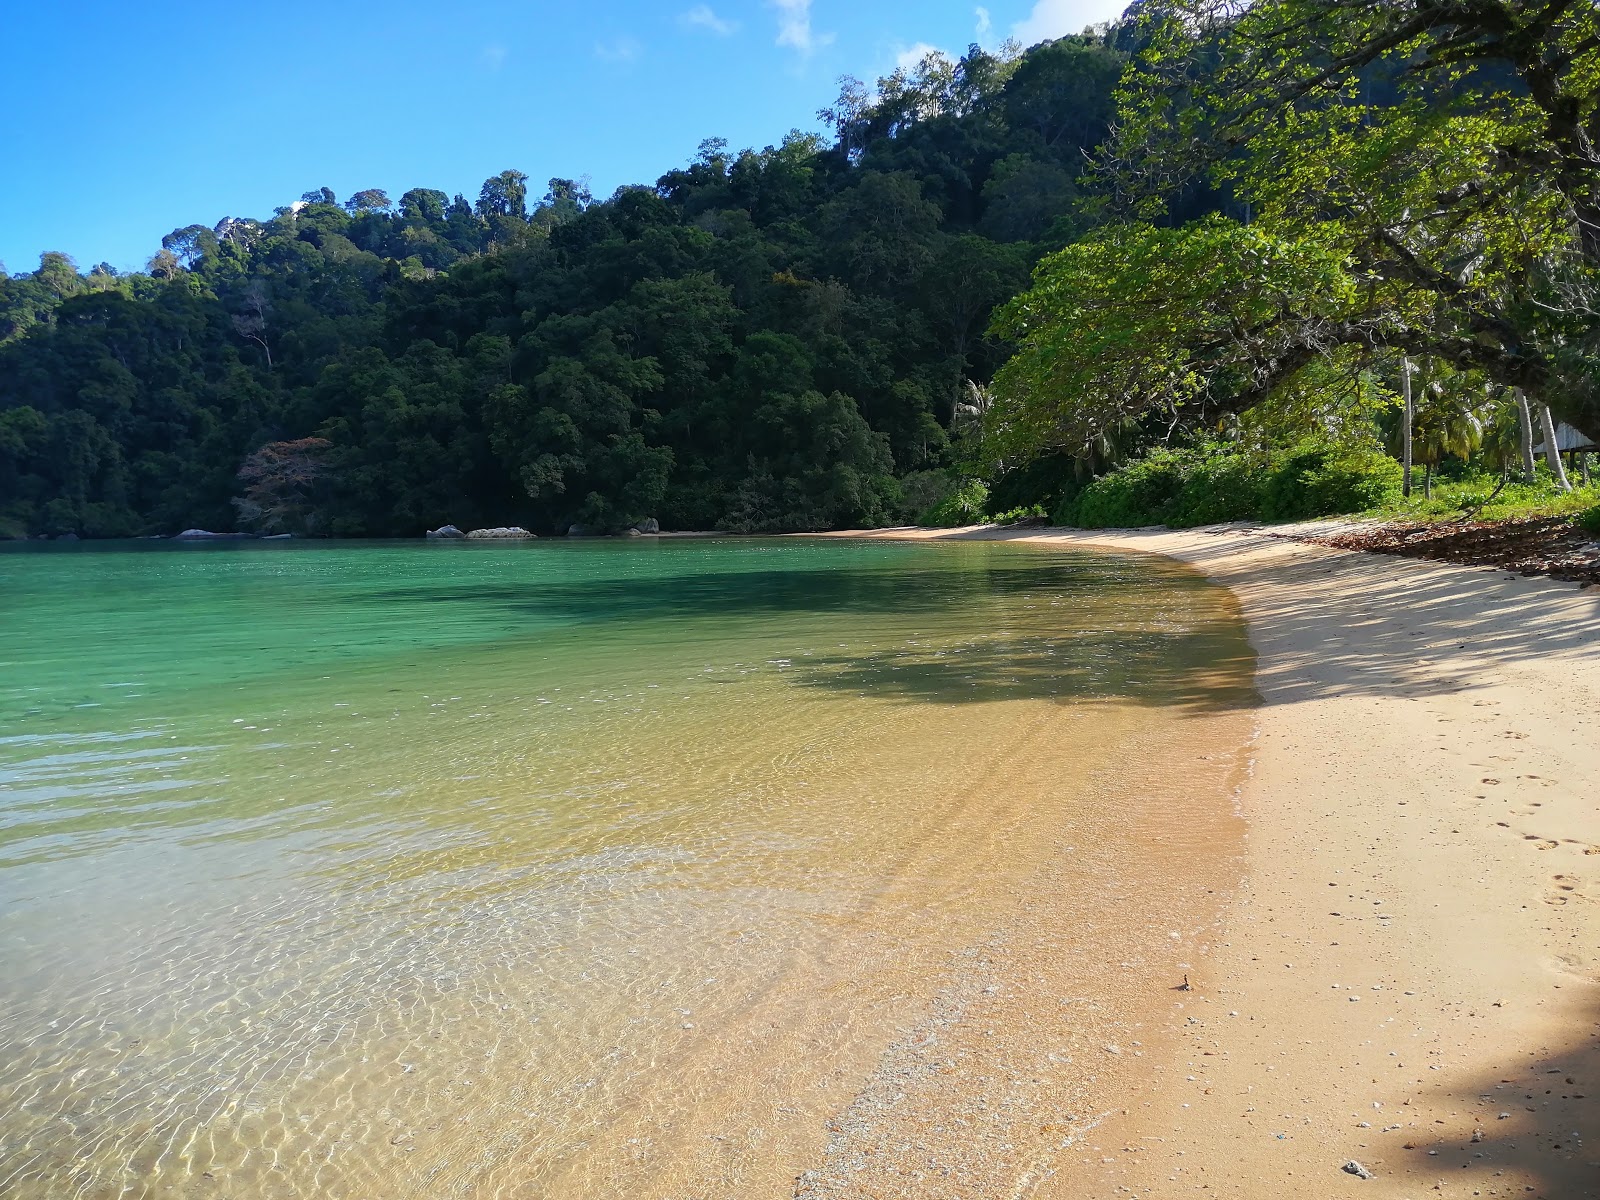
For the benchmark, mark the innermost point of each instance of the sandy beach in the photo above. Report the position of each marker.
(1403, 999)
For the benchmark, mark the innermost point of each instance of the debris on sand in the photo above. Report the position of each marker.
(1553, 546)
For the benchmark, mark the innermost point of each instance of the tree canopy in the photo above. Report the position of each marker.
(1410, 179)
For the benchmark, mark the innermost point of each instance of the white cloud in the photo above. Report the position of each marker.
(910, 59)
(1058, 18)
(702, 16)
(985, 22)
(619, 50)
(794, 26)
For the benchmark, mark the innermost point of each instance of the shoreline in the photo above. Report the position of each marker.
(1409, 977)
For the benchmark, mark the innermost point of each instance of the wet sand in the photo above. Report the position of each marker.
(1408, 977)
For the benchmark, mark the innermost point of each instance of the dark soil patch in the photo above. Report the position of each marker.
(1553, 546)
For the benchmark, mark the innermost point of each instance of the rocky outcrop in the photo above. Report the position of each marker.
(649, 525)
(584, 531)
(446, 533)
(499, 533)
(205, 535)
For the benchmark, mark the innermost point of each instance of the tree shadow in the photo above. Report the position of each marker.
(1203, 667)
(1417, 629)
(698, 592)
(1538, 1122)
(1070, 626)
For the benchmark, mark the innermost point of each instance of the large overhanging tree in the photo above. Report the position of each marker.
(1420, 177)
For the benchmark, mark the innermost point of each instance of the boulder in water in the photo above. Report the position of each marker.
(499, 533)
(446, 533)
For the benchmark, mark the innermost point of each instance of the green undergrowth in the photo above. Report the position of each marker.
(969, 503)
(1453, 497)
(1213, 482)
(1208, 483)
(966, 504)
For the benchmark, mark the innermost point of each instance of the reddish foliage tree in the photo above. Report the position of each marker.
(282, 482)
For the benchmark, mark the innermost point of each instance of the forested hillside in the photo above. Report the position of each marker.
(1245, 255)
(780, 339)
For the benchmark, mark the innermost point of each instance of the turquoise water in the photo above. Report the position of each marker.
(424, 869)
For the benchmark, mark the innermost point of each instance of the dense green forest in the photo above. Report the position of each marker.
(779, 339)
(1407, 268)
(1248, 257)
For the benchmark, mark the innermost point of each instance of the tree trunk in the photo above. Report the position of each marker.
(1427, 480)
(1408, 420)
(1525, 423)
(1552, 452)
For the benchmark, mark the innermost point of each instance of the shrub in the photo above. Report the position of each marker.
(1211, 482)
(1591, 519)
(1135, 494)
(1022, 512)
(964, 506)
(1219, 487)
(1197, 485)
(1320, 481)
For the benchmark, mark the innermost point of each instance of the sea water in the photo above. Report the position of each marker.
(657, 868)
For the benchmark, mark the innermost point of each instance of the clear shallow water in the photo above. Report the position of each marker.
(566, 870)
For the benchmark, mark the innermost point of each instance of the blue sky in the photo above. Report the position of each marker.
(127, 119)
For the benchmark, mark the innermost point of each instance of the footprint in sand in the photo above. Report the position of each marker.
(1566, 890)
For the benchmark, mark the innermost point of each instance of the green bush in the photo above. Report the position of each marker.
(1320, 481)
(964, 506)
(1210, 483)
(1591, 519)
(1220, 487)
(1199, 485)
(1021, 513)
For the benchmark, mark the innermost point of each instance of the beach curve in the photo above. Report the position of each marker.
(1405, 994)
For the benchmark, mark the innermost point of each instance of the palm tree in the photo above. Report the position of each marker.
(1444, 423)
(1444, 429)
(1502, 433)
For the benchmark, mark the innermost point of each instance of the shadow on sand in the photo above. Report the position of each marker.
(1550, 1132)
(1405, 635)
